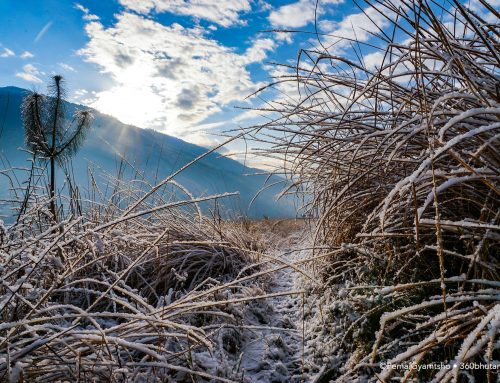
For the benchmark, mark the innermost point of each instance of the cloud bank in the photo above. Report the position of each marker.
(299, 14)
(222, 12)
(168, 78)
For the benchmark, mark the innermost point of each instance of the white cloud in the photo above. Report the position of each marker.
(90, 17)
(293, 15)
(356, 26)
(222, 12)
(27, 55)
(326, 25)
(86, 13)
(30, 73)
(7, 53)
(263, 6)
(298, 14)
(83, 96)
(478, 7)
(28, 77)
(81, 8)
(169, 78)
(67, 67)
(373, 60)
(259, 49)
(79, 93)
(283, 36)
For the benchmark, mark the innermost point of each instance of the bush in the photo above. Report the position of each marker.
(124, 291)
(401, 163)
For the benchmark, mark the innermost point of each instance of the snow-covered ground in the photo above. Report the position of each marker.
(297, 334)
(268, 344)
(274, 353)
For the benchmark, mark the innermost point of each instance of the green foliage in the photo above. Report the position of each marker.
(48, 133)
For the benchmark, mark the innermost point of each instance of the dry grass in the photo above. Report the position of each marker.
(269, 233)
(126, 290)
(401, 163)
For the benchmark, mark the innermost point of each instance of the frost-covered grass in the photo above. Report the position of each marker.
(401, 163)
(121, 289)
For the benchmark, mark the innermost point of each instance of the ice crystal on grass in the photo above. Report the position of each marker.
(401, 165)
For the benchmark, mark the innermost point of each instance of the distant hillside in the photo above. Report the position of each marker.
(156, 155)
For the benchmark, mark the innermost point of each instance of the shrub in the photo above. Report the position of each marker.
(401, 163)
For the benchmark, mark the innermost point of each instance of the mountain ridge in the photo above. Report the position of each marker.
(156, 154)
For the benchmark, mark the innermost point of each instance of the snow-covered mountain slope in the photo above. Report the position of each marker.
(154, 154)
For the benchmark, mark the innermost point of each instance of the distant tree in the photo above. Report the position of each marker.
(49, 134)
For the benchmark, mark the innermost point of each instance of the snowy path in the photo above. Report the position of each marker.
(265, 343)
(274, 354)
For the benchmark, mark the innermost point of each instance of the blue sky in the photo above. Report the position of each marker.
(177, 66)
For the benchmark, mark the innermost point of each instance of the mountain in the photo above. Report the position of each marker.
(154, 154)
